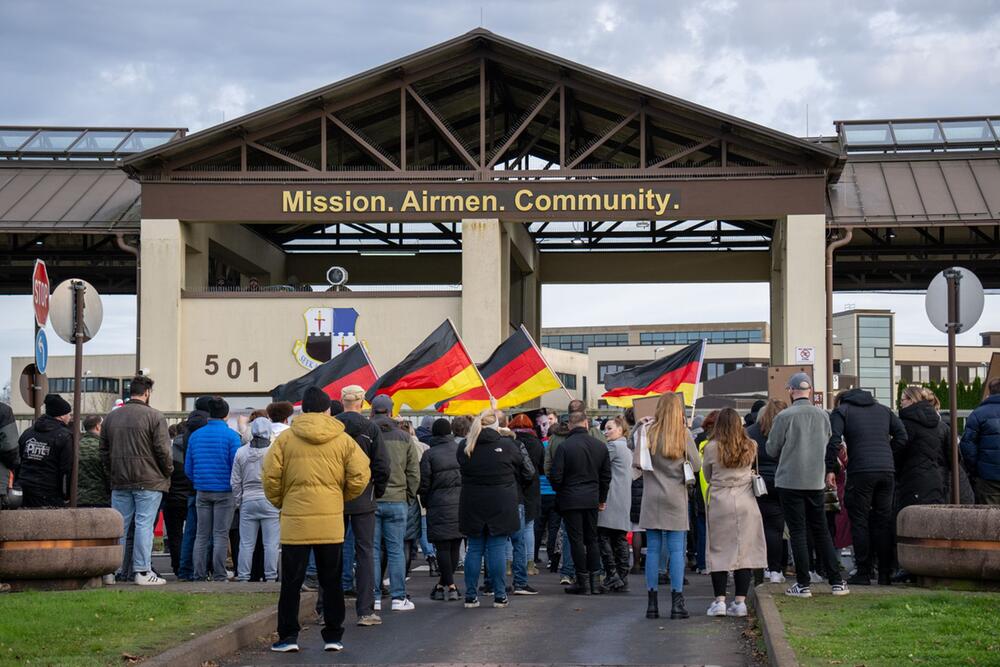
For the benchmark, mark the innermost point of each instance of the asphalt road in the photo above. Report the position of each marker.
(550, 628)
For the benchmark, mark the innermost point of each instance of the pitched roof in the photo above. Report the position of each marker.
(537, 61)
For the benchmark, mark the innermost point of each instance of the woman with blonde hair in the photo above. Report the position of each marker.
(493, 469)
(735, 530)
(768, 504)
(666, 458)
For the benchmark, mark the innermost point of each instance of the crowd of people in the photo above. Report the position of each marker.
(338, 495)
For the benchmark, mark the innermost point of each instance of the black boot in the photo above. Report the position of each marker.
(613, 582)
(580, 586)
(554, 562)
(595, 584)
(653, 606)
(678, 610)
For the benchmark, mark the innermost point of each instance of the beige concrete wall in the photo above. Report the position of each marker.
(938, 354)
(263, 330)
(798, 286)
(116, 366)
(485, 286)
(571, 363)
(162, 245)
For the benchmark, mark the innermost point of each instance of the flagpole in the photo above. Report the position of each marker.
(701, 363)
(364, 350)
(481, 378)
(546, 362)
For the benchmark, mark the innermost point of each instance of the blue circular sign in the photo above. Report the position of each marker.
(41, 351)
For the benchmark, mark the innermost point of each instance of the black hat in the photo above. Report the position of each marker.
(315, 400)
(218, 408)
(56, 406)
(202, 403)
(441, 427)
(336, 407)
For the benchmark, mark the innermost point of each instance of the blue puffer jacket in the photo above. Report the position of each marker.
(210, 454)
(981, 440)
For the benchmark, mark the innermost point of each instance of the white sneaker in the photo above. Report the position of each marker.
(402, 605)
(796, 590)
(333, 646)
(108, 580)
(736, 609)
(814, 578)
(717, 608)
(776, 577)
(378, 604)
(148, 579)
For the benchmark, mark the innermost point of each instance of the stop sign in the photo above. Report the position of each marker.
(40, 292)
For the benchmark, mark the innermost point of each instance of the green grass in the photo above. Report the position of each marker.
(941, 628)
(106, 627)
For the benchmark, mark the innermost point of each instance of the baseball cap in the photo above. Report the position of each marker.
(352, 392)
(382, 404)
(800, 381)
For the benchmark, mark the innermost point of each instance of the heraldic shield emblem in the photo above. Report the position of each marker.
(329, 331)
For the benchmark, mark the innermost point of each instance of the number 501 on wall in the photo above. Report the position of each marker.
(233, 367)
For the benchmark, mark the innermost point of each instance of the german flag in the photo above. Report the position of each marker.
(678, 372)
(515, 373)
(439, 368)
(352, 366)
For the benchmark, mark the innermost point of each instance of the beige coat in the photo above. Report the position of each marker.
(664, 493)
(735, 529)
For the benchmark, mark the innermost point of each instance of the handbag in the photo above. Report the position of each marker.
(645, 459)
(689, 478)
(758, 483)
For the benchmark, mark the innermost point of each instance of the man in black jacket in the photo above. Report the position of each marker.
(359, 514)
(872, 433)
(46, 450)
(581, 476)
(9, 456)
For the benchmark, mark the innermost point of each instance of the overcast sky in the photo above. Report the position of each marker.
(194, 64)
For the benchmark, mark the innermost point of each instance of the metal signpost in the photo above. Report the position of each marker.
(77, 314)
(40, 303)
(954, 304)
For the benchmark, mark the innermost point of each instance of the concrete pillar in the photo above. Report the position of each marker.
(798, 286)
(485, 286)
(163, 257)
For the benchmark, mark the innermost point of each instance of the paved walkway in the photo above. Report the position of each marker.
(551, 628)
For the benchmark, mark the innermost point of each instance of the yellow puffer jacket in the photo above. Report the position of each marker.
(310, 470)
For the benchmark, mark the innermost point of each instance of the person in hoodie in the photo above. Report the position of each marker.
(309, 472)
(424, 431)
(391, 510)
(93, 485)
(209, 466)
(440, 491)
(872, 433)
(923, 465)
(981, 446)
(523, 542)
(256, 513)
(359, 513)
(46, 453)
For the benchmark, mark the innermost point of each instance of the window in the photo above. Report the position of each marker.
(605, 368)
(90, 385)
(583, 342)
(688, 337)
(568, 380)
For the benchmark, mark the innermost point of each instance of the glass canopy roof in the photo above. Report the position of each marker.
(920, 134)
(81, 143)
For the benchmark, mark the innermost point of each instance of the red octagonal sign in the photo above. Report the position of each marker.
(40, 292)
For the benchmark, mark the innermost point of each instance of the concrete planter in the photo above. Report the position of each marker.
(950, 541)
(59, 548)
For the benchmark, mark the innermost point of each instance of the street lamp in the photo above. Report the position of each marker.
(657, 349)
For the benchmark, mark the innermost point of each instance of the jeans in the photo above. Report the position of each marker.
(529, 540)
(868, 497)
(673, 543)
(519, 563)
(362, 529)
(141, 506)
(259, 515)
(186, 570)
(347, 579)
(493, 548)
(426, 548)
(566, 568)
(581, 526)
(390, 528)
(215, 514)
(804, 515)
(294, 558)
(700, 541)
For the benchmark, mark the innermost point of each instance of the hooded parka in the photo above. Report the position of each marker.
(490, 480)
(922, 466)
(441, 488)
(309, 471)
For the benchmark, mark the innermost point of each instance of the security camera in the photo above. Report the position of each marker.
(336, 276)
(143, 371)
